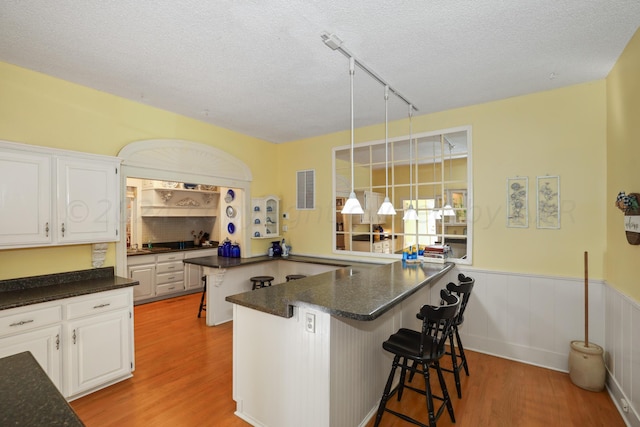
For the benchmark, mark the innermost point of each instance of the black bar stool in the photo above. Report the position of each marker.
(424, 348)
(261, 281)
(291, 277)
(203, 305)
(463, 291)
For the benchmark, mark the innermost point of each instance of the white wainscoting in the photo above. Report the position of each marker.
(622, 352)
(533, 319)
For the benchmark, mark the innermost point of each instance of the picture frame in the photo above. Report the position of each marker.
(548, 202)
(518, 202)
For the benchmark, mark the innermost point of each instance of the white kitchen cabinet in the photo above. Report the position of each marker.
(44, 345)
(99, 341)
(192, 272)
(56, 197)
(25, 205)
(83, 343)
(265, 217)
(143, 269)
(88, 200)
(169, 273)
(99, 350)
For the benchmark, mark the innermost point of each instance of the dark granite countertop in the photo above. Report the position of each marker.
(50, 287)
(29, 398)
(359, 291)
(224, 262)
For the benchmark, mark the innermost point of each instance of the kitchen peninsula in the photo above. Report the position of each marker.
(309, 352)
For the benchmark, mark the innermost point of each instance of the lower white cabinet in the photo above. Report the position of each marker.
(99, 350)
(83, 343)
(193, 273)
(143, 269)
(44, 345)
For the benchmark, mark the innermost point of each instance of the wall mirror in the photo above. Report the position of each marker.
(439, 186)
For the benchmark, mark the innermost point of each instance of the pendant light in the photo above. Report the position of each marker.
(386, 208)
(352, 205)
(410, 214)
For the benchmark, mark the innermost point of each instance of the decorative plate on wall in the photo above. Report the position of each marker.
(231, 228)
(231, 212)
(231, 195)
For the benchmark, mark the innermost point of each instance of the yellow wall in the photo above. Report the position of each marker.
(559, 132)
(623, 153)
(42, 110)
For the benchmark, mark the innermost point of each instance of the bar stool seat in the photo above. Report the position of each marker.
(261, 281)
(291, 277)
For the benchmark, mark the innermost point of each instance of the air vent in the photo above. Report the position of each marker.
(306, 190)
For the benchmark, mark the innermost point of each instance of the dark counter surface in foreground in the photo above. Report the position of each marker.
(29, 398)
(358, 291)
(50, 287)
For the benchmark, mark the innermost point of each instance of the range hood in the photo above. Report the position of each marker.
(181, 200)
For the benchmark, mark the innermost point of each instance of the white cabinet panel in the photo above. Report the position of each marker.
(56, 197)
(145, 275)
(99, 350)
(25, 198)
(44, 345)
(88, 203)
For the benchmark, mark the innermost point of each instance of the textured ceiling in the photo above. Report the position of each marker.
(261, 68)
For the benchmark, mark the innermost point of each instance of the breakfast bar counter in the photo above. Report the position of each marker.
(309, 351)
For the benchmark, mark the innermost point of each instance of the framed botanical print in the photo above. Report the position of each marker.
(548, 202)
(518, 202)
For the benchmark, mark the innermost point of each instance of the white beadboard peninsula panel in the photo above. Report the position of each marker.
(333, 377)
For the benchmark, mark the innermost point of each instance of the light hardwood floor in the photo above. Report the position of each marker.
(183, 378)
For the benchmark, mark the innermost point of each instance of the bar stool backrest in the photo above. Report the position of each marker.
(437, 322)
(463, 291)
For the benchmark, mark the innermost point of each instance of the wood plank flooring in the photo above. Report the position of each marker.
(183, 379)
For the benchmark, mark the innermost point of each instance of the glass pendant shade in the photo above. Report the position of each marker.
(386, 208)
(448, 211)
(352, 206)
(410, 214)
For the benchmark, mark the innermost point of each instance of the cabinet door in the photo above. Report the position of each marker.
(98, 350)
(44, 345)
(194, 276)
(88, 201)
(25, 205)
(144, 274)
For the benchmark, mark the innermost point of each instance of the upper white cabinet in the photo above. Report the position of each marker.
(56, 197)
(88, 200)
(25, 198)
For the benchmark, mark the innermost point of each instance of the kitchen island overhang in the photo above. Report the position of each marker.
(358, 291)
(309, 352)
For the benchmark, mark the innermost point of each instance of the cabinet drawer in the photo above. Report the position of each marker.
(171, 256)
(97, 304)
(169, 288)
(26, 320)
(169, 267)
(176, 276)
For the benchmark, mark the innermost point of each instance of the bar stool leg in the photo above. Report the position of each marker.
(202, 301)
(461, 350)
(454, 362)
(386, 394)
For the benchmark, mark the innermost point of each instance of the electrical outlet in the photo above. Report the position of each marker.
(310, 323)
(285, 228)
(625, 405)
